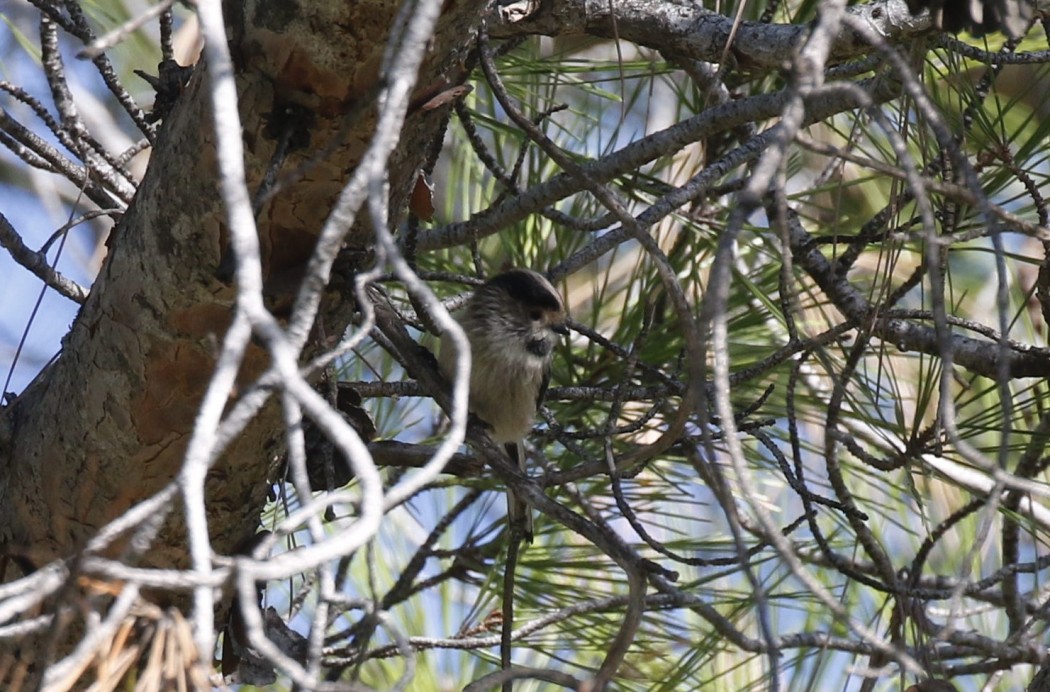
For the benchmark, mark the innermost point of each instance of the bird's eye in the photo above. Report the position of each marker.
(535, 315)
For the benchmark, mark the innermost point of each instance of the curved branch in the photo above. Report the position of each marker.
(981, 357)
(689, 30)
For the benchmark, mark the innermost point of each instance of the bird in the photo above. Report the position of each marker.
(513, 321)
(979, 17)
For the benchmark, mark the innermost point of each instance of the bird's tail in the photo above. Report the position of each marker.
(519, 514)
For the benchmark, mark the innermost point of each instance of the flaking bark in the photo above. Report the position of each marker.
(107, 424)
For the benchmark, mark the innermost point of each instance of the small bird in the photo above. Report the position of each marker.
(512, 322)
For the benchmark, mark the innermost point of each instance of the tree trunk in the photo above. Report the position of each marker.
(107, 424)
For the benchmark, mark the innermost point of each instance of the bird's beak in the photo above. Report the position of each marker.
(560, 329)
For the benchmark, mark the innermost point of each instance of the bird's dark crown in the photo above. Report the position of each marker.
(528, 288)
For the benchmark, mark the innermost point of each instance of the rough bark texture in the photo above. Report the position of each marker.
(689, 30)
(107, 424)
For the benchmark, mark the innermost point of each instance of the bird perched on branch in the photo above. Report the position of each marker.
(979, 17)
(512, 321)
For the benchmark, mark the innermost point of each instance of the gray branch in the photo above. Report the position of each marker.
(687, 29)
(37, 263)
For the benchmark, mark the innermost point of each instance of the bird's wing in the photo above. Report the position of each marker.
(543, 385)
